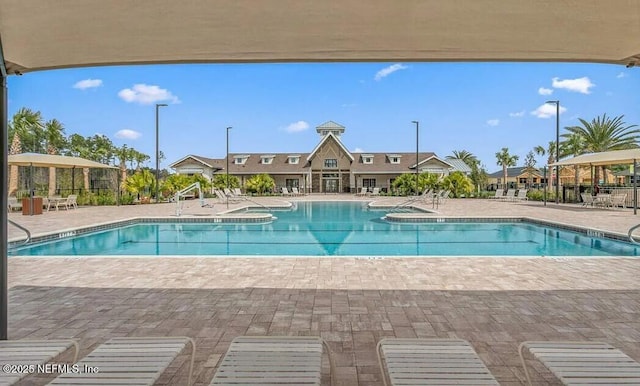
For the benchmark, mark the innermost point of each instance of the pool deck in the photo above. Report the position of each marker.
(494, 303)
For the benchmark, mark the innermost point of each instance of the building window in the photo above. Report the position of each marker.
(294, 160)
(240, 160)
(266, 160)
(292, 183)
(369, 182)
(330, 163)
(394, 158)
(325, 132)
(367, 159)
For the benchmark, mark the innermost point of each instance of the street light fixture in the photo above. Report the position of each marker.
(417, 148)
(158, 105)
(557, 103)
(227, 169)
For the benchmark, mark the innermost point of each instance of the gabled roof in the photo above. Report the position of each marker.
(513, 172)
(432, 157)
(330, 125)
(253, 164)
(381, 163)
(210, 162)
(325, 139)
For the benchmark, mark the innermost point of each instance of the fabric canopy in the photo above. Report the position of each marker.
(36, 34)
(58, 161)
(603, 158)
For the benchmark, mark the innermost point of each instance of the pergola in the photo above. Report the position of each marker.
(38, 35)
(605, 158)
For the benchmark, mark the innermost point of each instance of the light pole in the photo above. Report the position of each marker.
(227, 169)
(557, 103)
(417, 148)
(158, 105)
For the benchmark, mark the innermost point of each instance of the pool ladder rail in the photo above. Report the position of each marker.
(633, 228)
(25, 230)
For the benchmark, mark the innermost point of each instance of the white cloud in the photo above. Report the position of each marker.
(147, 94)
(389, 70)
(493, 122)
(88, 83)
(517, 114)
(545, 91)
(581, 85)
(128, 134)
(358, 150)
(297, 127)
(547, 110)
(621, 75)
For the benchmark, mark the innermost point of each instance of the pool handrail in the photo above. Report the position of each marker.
(630, 234)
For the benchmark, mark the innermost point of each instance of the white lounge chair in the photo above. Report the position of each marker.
(30, 352)
(499, 194)
(587, 199)
(262, 360)
(375, 192)
(431, 362)
(583, 363)
(69, 202)
(511, 193)
(238, 193)
(13, 203)
(618, 200)
(129, 361)
(296, 192)
(223, 197)
(362, 192)
(521, 195)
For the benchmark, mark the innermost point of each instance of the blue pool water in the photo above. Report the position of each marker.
(335, 229)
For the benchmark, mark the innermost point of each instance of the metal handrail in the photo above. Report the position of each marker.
(23, 229)
(633, 228)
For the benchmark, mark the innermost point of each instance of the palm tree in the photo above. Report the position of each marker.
(123, 154)
(506, 160)
(573, 145)
(550, 152)
(25, 129)
(606, 134)
(54, 135)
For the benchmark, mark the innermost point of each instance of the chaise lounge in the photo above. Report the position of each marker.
(431, 362)
(30, 352)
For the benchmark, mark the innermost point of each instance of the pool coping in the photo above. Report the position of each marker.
(265, 218)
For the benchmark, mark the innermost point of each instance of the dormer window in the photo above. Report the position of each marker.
(367, 158)
(394, 158)
(240, 159)
(294, 159)
(267, 159)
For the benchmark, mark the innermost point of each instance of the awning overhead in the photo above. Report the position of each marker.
(603, 158)
(58, 161)
(38, 34)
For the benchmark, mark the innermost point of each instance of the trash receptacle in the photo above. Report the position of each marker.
(26, 206)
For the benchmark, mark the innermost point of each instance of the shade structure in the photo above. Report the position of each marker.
(57, 161)
(604, 158)
(38, 34)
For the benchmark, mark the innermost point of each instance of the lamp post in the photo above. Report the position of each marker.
(417, 148)
(227, 169)
(158, 105)
(557, 103)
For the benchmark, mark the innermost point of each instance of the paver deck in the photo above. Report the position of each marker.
(494, 303)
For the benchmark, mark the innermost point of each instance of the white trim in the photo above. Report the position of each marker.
(324, 139)
(429, 159)
(195, 158)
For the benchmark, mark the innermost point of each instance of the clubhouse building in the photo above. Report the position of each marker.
(328, 168)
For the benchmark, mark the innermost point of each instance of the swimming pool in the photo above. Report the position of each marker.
(334, 229)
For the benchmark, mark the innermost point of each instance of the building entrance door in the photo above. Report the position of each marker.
(330, 185)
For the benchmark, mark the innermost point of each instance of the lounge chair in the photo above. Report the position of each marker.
(442, 196)
(362, 192)
(618, 200)
(295, 191)
(375, 192)
(511, 193)
(231, 194)
(521, 195)
(30, 352)
(587, 199)
(582, 363)
(238, 193)
(223, 197)
(431, 362)
(285, 191)
(70, 202)
(261, 360)
(499, 194)
(13, 203)
(129, 361)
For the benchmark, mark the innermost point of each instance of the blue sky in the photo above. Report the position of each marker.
(478, 107)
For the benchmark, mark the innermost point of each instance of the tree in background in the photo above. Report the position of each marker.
(458, 184)
(606, 134)
(260, 184)
(405, 184)
(220, 181)
(573, 145)
(530, 167)
(141, 183)
(25, 130)
(506, 160)
(478, 174)
(54, 134)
